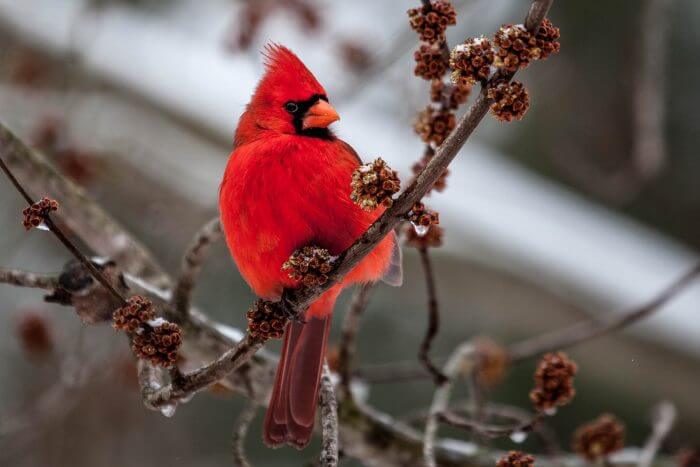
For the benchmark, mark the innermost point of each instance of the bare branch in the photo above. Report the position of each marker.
(487, 430)
(663, 417)
(458, 361)
(191, 267)
(347, 344)
(28, 279)
(587, 330)
(329, 420)
(241, 431)
(188, 384)
(433, 318)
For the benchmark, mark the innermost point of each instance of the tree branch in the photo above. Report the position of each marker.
(347, 344)
(663, 418)
(241, 431)
(433, 318)
(329, 420)
(28, 279)
(191, 267)
(587, 330)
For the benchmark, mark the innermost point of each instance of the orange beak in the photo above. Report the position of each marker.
(320, 115)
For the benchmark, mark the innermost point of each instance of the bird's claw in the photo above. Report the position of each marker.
(291, 313)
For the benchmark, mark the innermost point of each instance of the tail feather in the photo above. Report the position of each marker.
(292, 410)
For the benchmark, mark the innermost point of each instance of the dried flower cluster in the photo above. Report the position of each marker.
(441, 183)
(471, 61)
(450, 96)
(374, 184)
(516, 459)
(419, 215)
(517, 46)
(152, 339)
(159, 344)
(554, 381)
(310, 265)
(433, 125)
(492, 362)
(511, 100)
(599, 438)
(431, 21)
(34, 215)
(34, 335)
(430, 62)
(431, 239)
(130, 318)
(265, 321)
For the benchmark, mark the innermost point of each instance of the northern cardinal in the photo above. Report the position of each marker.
(286, 186)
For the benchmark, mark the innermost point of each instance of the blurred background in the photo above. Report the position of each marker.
(588, 206)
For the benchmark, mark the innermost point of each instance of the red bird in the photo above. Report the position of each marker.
(286, 186)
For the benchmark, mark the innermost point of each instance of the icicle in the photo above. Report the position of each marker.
(421, 230)
(168, 410)
(43, 227)
(550, 412)
(518, 437)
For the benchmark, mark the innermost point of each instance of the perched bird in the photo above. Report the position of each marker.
(287, 185)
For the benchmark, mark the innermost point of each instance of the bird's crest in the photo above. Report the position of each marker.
(284, 71)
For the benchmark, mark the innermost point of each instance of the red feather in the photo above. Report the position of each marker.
(282, 191)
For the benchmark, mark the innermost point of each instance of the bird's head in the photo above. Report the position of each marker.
(289, 99)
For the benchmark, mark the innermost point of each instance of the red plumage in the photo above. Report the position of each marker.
(287, 185)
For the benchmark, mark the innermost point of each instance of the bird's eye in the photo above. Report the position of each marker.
(291, 107)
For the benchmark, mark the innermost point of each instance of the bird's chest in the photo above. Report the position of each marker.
(280, 201)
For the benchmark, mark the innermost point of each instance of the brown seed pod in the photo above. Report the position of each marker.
(471, 62)
(493, 362)
(422, 217)
(451, 95)
(265, 321)
(374, 184)
(431, 239)
(511, 101)
(433, 125)
(134, 315)
(546, 41)
(515, 47)
(554, 382)
(599, 438)
(418, 167)
(309, 265)
(431, 21)
(516, 459)
(159, 345)
(431, 62)
(34, 215)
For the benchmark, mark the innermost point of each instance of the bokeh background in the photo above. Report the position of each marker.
(565, 215)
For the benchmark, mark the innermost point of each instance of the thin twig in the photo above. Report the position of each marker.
(433, 319)
(663, 418)
(587, 330)
(485, 429)
(190, 383)
(347, 343)
(240, 432)
(329, 420)
(458, 361)
(70, 246)
(191, 267)
(28, 279)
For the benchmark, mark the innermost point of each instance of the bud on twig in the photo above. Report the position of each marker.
(516, 459)
(374, 184)
(471, 62)
(34, 215)
(431, 62)
(310, 265)
(554, 382)
(431, 21)
(599, 438)
(433, 125)
(511, 101)
(265, 321)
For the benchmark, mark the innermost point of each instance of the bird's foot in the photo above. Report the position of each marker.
(289, 310)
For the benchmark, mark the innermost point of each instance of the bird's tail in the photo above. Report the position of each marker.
(292, 410)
